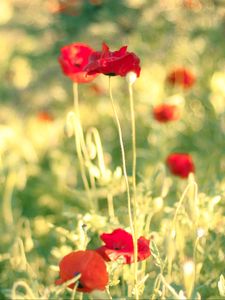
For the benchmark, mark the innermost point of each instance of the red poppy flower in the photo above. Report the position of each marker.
(192, 4)
(73, 59)
(69, 7)
(119, 243)
(90, 265)
(95, 2)
(182, 77)
(166, 113)
(180, 164)
(113, 63)
(97, 89)
(44, 116)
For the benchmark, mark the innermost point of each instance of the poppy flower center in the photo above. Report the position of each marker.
(80, 285)
(110, 74)
(119, 247)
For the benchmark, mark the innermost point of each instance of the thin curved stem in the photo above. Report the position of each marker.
(78, 141)
(77, 112)
(134, 164)
(123, 156)
(76, 99)
(83, 153)
(25, 286)
(169, 287)
(93, 134)
(110, 207)
(81, 162)
(7, 199)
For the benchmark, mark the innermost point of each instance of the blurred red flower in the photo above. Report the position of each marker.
(97, 89)
(192, 4)
(182, 77)
(180, 164)
(119, 243)
(69, 7)
(44, 116)
(113, 63)
(95, 2)
(166, 112)
(73, 59)
(89, 264)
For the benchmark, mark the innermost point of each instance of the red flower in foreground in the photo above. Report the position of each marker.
(119, 243)
(113, 63)
(182, 77)
(180, 164)
(90, 265)
(166, 113)
(73, 59)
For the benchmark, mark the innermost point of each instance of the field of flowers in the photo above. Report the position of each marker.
(112, 149)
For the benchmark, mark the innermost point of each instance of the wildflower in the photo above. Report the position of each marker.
(69, 7)
(181, 77)
(180, 164)
(96, 2)
(166, 112)
(44, 116)
(97, 89)
(113, 63)
(89, 264)
(119, 243)
(73, 59)
(192, 4)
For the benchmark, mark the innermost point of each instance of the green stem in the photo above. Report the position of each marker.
(123, 156)
(78, 139)
(195, 257)
(76, 99)
(83, 155)
(7, 199)
(134, 164)
(170, 260)
(82, 152)
(81, 161)
(111, 207)
(77, 112)
(169, 287)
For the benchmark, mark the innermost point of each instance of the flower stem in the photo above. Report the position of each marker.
(134, 163)
(133, 139)
(77, 140)
(169, 287)
(7, 199)
(82, 152)
(111, 207)
(76, 99)
(123, 156)
(195, 258)
(77, 112)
